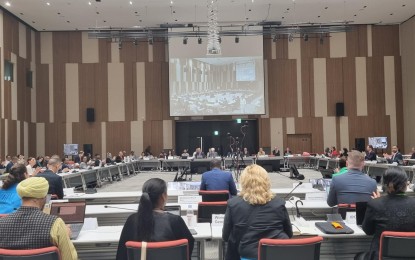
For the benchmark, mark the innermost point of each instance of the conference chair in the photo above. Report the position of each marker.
(172, 250)
(290, 249)
(3, 215)
(47, 253)
(206, 209)
(342, 209)
(397, 245)
(214, 195)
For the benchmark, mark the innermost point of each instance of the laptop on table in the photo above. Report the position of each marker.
(72, 213)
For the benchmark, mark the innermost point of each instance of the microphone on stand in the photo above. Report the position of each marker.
(106, 206)
(296, 207)
(299, 183)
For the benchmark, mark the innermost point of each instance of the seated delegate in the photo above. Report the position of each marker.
(216, 179)
(254, 214)
(9, 199)
(151, 223)
(393, 212)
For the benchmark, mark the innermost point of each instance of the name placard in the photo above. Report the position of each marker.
(316, 196)
(351, 218)
(218, 219)
(189, 199)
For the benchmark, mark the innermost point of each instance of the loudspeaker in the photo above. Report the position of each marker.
(339, 109)
(88, 149)
(359, 144)
(90, 114)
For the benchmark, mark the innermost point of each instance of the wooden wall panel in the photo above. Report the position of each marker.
(366, 126)
(307, 84)
(153, 91)
(385, 40)
(101, 92)
(142, 51)
(264, 132)
(20, 74)
(60, 45)
(323, 48)
(22, 137)
(399, 102)
(88, 133)
(313, 126)
(375, 86)
(118, 136)
(42, 93)
(334, 74)
(86, 89)
(309, 48)
(7, 100)
(10, 35)
(29, 45)
(59, 92)
(349, 84)
(2, 138)
(282, 88)
(128, 52)
(267, 45)
(12, 137)
(104, 52)
(159, 50)
(281, 46)
(165, 97)
(32, 139)
(130, 91)
(75, 47)
(356, 41)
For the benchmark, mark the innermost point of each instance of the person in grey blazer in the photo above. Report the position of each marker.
(352, 186)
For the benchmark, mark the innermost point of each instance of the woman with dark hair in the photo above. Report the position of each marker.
(9, 199)
(151, 223)
(393, 212)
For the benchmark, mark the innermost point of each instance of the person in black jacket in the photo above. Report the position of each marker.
(395, 157)
(370, 154)
(51, 175)
(393, 212)
(151, 223)
(269, 217)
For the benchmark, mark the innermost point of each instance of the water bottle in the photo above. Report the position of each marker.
(190, 216)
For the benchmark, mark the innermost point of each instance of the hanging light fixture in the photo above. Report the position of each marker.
(213, 43)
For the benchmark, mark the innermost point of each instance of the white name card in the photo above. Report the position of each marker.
(218, 219)
(305, 185)
(351, 218)
(316, 196)
(189, 199)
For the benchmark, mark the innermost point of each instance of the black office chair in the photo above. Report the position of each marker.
(172, 250)
(214, 195)
(397, 245)
(206, 209)
(47, 253)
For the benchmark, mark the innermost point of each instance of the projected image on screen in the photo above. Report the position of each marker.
(229, 84)
(378, 142)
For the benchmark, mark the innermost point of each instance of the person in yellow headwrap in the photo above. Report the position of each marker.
(30, 228)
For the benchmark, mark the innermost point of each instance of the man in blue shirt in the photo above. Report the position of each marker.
(352, 186)
(216, 179)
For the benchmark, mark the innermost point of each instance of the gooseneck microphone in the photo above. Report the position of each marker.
(112, 207)
(299, 183)
(296, 207)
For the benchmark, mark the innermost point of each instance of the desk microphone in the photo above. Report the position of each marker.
(106, 206)
(299, 183)
(296, 207)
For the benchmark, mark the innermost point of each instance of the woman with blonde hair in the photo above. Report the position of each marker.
(254, 214)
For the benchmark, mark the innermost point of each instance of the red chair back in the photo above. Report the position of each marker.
(397, 245)
(214, 195)
(47, 253)
(172, 250)
(3, 215)
(206, 209)
(301, 248)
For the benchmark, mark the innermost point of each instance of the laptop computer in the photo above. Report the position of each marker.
(72, 213)
(360, 213)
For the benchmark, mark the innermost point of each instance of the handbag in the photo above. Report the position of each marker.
(239, 230)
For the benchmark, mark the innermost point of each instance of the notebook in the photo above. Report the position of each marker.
(72, 213)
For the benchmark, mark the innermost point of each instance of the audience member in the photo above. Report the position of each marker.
(327, 152)
(370, 154)
(30, 228)
(51, 175)
(276, 151)
(352, 186)
(395, 157)
(40, 161)
(198, 154)
(393, 212)
(133, 156)
(334, 152)
(7, 160)
(261, 152)
(287, 151)
(78, 158)
(342, 167)
(9, 199)
(413, 153)
(11, 163)
(245, 152)
(216, 179)
(185, 154)
(254, 214)
(84, 163)
(212, 153)
(344, 153)
(31, 167)
(151, 223)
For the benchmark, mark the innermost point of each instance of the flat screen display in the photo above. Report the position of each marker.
(378, 142)
(228, 84)
(70, 149)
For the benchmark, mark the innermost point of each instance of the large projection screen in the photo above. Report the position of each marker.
(227, 84)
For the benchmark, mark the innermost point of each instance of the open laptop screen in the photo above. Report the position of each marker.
(70, 212)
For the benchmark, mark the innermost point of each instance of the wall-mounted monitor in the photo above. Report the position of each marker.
(206, 85)
(378, 142)
(70, 149)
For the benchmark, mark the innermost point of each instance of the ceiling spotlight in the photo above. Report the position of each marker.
(131, 2)
(199, 40)
(185, 40)
(135, 42)
(305, 36)
(150, 40)
(220, 40)
(236, 39)
(120, 44)
(321, 39)
(8, 3)
(274, 39)
(47, 3)
(290, 37)
(89, 3)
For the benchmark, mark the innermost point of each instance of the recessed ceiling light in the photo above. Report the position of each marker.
(47, 3)
(171, 2)
(89, 3)
(131, 2)
(8, 3)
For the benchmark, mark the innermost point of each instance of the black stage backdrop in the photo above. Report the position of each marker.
(188, 135)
